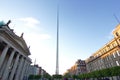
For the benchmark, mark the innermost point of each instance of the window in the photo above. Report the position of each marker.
(114, 55)
(107, 58)
(111, 64)
(117, 63)
(113, 44)
(117, 34)
(118, 53)
(100, 53)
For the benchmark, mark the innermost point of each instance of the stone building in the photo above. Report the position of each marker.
(81, 67)
(107, 56)
(14, 60)
(78, 68)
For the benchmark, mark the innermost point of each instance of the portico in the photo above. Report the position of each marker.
(14, 60)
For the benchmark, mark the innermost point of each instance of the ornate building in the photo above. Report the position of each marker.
(78, 68)
(81, 67)
(107, 56)
(14, 60)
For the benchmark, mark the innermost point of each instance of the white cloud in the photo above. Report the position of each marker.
(30, 21)
(28, 25)
(36, 37)
(44, 36)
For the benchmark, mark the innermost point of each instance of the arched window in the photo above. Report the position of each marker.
(117, 34)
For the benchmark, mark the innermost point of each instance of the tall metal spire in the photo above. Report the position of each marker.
(57, 49)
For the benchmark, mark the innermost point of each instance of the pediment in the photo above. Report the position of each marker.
(19, 41)
(22, 43)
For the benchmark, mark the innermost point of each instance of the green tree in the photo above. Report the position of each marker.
(57, 76)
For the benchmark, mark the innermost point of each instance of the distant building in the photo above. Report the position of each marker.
(107, 56)
(81, 67)
(36, 70)
(32, 70)
(78, 68)
(14, 60)
(73, 70)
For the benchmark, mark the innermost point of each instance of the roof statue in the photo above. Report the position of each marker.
(3, 24)
(22, 35)
(29, 47)
(8, 22)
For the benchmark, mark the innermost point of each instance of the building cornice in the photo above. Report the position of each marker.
(12, 36)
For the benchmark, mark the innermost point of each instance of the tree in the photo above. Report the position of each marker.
(34, 77)
(57, 76)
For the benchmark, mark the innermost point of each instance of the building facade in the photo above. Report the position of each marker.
(107, 56)
(14, 60)
(78, 68)
(81, 67)
(35, 70)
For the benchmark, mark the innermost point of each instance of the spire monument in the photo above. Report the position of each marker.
(57, 48)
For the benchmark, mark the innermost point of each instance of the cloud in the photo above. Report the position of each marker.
(44, 36)
(28, 25)
(37, 36)
(30, 21)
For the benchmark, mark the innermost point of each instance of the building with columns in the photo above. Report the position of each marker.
(107, 56)
(14, 60)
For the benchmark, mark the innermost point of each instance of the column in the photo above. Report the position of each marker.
(3, 68)
(14, 67)
(23, 71)
(26, 73)
(19, 69)
(7, 69)
(2, 57)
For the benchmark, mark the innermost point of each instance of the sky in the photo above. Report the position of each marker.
(84, 27)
